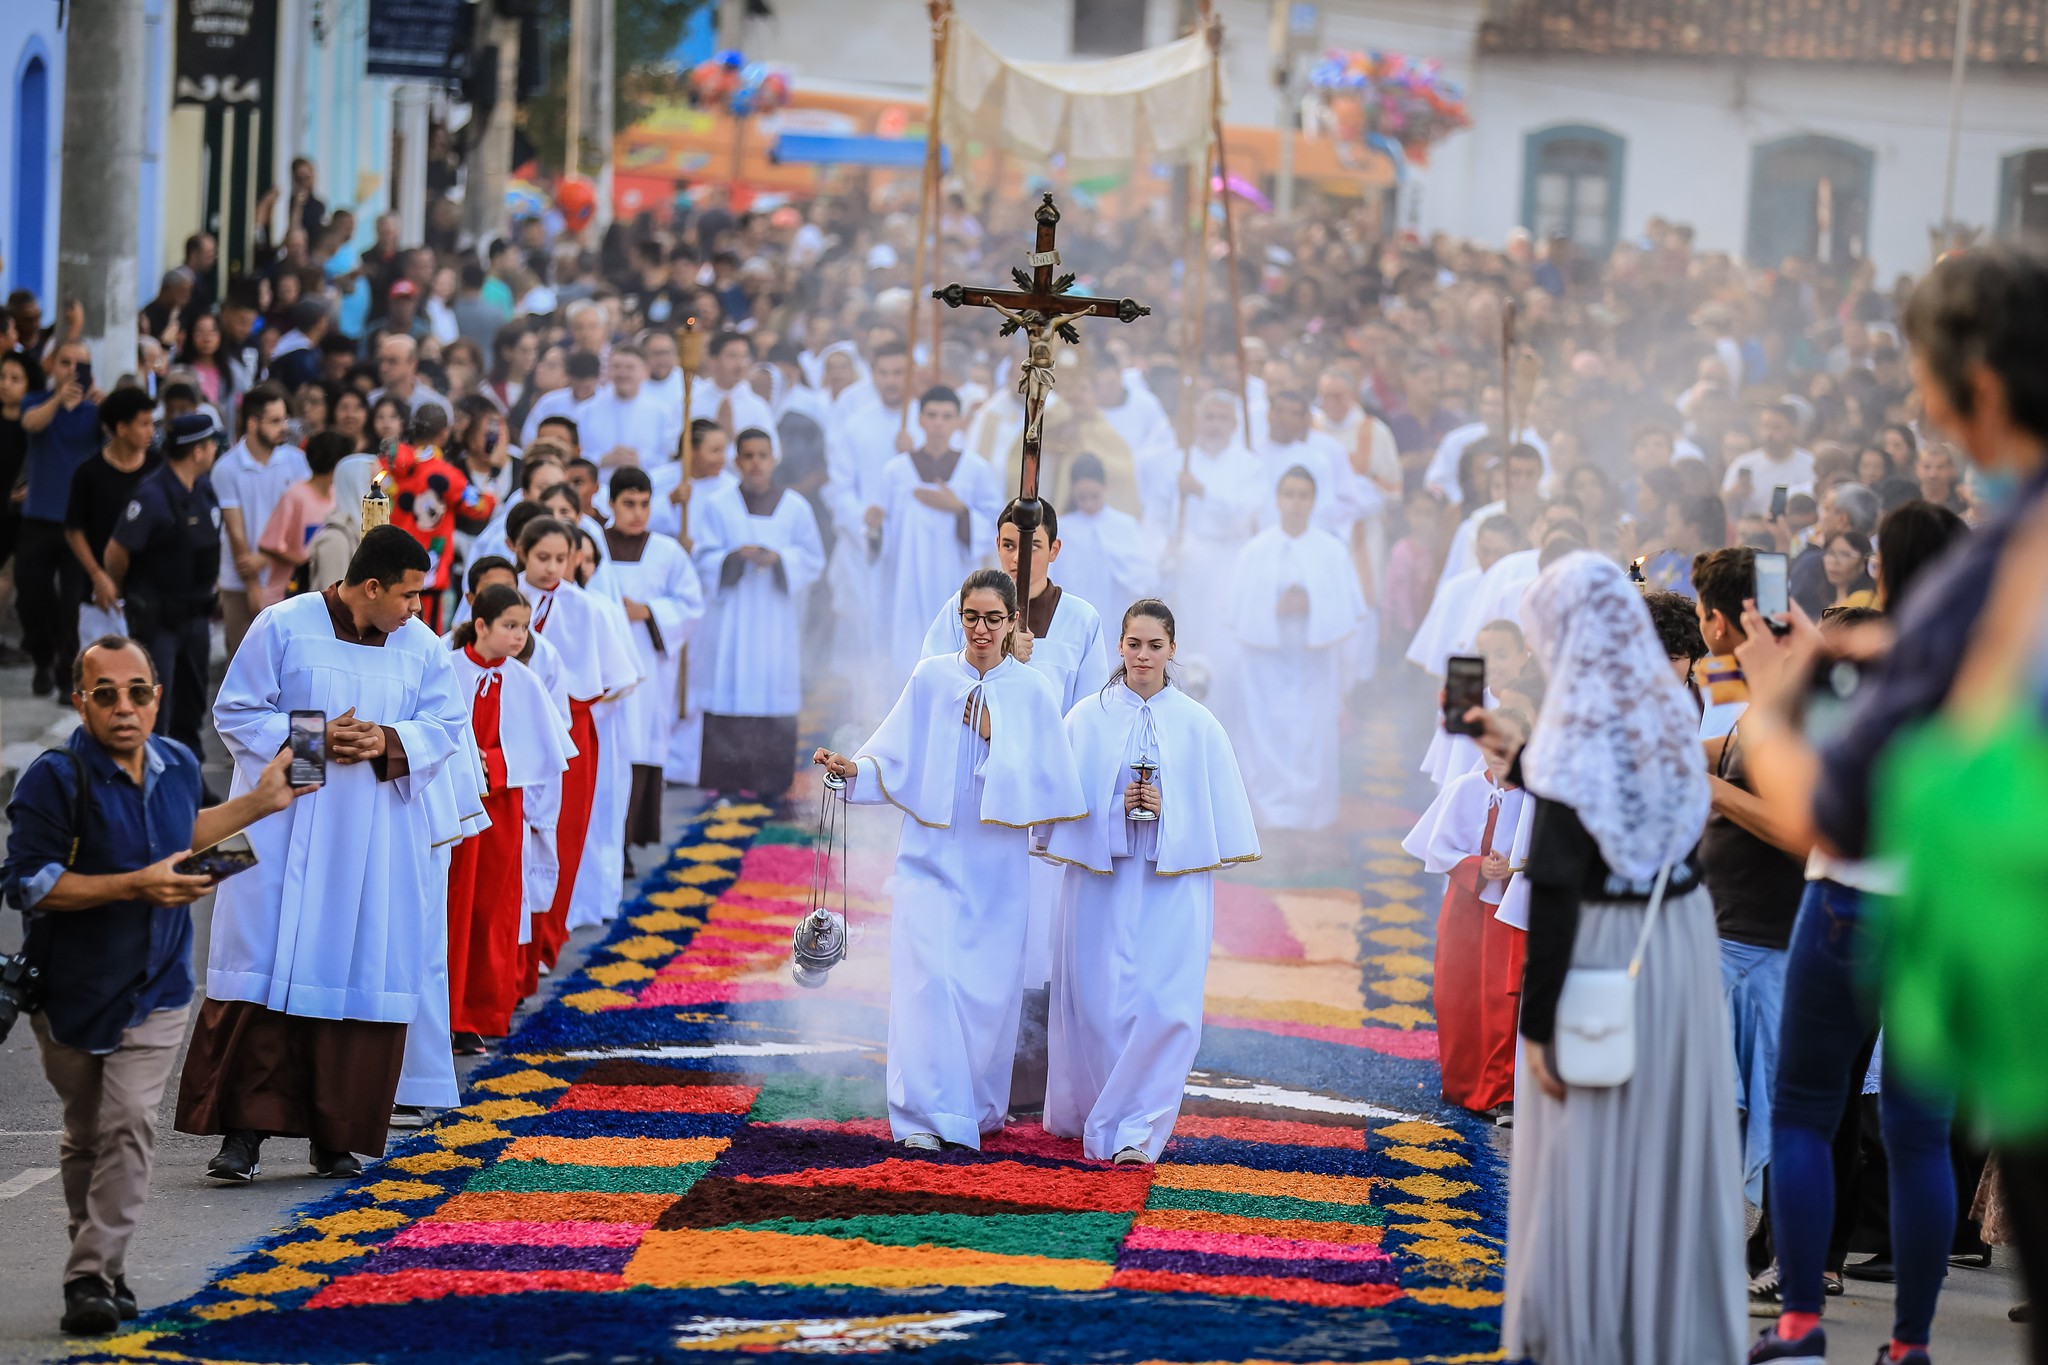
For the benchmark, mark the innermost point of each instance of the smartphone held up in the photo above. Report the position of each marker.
(309, 749)
(1464, 689)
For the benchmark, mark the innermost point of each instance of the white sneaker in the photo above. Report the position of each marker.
(923, 1142)
(1132, 1156)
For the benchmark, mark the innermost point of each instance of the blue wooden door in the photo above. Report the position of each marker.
(27, 260)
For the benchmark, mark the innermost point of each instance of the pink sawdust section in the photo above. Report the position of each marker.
(1247, 1244)
(1418, 1045)
(1251, 1287)
(1249, 924)
(406, 1286)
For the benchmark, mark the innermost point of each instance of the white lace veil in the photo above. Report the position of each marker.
(1616, 740)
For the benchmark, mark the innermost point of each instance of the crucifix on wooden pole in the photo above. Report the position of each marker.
(1042, 309)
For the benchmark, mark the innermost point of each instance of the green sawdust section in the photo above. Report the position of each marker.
(1061, 1236)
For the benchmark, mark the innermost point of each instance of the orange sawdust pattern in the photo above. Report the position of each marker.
(697, 1258)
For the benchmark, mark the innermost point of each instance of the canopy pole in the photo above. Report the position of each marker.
(1195, 305)
(939, 9)
(1215, 27)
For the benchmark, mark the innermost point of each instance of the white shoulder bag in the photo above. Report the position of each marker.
(1595, 1037)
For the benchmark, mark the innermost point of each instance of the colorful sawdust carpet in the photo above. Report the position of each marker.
(684, 1154)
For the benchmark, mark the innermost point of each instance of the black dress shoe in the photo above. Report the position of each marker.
(465, 1044)
(335, 1165)
(43, 684)
(236, 1162)
(124, 1299)
(1877, 1270)
(89, 1309)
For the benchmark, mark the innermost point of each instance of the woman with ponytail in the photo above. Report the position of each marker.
(1131, 938)
(974, 753)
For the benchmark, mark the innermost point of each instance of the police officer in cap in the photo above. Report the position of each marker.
(165, 556)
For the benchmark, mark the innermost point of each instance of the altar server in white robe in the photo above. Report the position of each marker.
(596, 663)
(974, 753)
(600, 879)
(1208, 511)
(871, 435)
(1110, 559)
(722, 392)
(1295, 601)
(318, 953)
(652, 579)
(679, 483)
(1444, 623)
(939, 514)
(1131, 940)
(758, 552)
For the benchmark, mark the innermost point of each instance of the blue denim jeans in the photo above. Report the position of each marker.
(1826, 1019)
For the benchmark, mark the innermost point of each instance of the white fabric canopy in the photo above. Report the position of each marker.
(1100, 115)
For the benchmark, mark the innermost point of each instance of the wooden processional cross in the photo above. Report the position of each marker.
(1041, 307)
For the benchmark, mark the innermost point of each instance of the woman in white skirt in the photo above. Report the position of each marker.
(1131, 937)
(1625, 1202)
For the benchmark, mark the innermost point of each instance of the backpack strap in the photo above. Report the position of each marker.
(80, 787)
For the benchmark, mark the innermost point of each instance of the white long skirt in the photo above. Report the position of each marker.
(427, 1076)
(1625, 1204)
(957, 933)
(1287, 744)
(1130, 957)
(601, 878)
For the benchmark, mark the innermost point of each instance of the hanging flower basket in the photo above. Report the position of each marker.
(1399, 105)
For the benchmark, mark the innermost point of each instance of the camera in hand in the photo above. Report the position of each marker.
(21, 990)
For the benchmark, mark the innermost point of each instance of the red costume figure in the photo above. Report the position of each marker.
(432, 499)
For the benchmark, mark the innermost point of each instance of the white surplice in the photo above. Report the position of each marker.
(1074, 658)
(960, 904)
(666, 518)
(642, 424)
(1131, 939)
(1293, 674)
(925, 552)
(749, 409)
(748, 659)
(600, 881)
(329, 923)
(1212, 527)
(858, 459)
(1436, 637)
(665, 581)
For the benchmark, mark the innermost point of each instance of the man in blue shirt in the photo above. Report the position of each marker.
(93, 868)
(63, 426)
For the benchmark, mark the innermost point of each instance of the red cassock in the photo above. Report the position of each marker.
(1478, 988)
(579, 790)
(486, 964)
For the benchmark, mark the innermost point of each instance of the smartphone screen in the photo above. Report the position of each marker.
(1771, 586)
(83, 374)
(309, 749)
(1779, 495)
(1464, 688)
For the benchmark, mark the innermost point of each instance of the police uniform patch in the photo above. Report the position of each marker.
(134, 510)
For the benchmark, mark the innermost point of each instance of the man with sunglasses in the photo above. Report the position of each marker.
(98, 829)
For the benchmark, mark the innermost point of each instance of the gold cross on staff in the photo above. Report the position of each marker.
(1041, 307)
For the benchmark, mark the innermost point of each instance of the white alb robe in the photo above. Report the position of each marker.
(1131, 939)
(1293, 672)
(600, 881)
(455, 811)
(329, 923)
(1109, 558)
(960, 905)
(1436, 637)
(1074, 658)
(748, 660)
(1212, 527)
(664, 581)
(666, 519)
(749, 409)
(924, 552)
(860, 644)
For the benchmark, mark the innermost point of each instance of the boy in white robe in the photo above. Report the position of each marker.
(870, 436)
(679, 483)
(1208, 512)
(938, 512)
(972, 752)
(1131, 941)
(318, 953)
(1110, 559)
(758, 549)
(1436, 639)
(652, 579)
(1295, 601)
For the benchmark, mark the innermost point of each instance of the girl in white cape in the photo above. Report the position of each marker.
(974, 753)
(1131, 941)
